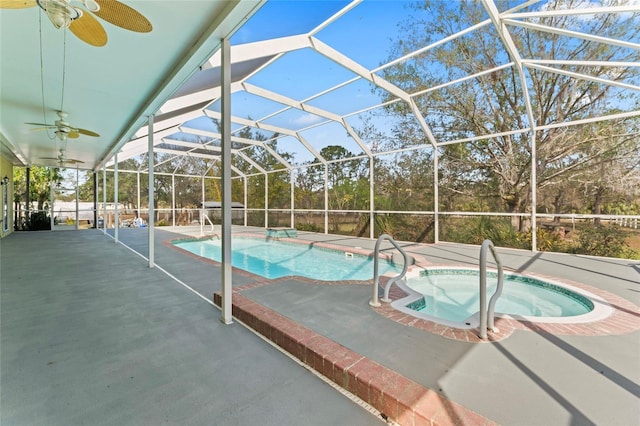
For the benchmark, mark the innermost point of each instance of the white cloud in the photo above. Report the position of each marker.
(306, 120)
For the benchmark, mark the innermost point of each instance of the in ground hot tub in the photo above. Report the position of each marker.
(450, 296)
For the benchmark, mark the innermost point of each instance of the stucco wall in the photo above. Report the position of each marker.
(6, 169)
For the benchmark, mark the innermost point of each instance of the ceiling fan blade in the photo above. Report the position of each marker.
(88, 29)
(123, 16)
(73, 134)
(16, 4)
(41, 124)
(87, 133)
(72, 161)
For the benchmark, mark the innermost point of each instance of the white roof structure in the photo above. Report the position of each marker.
(298, 118)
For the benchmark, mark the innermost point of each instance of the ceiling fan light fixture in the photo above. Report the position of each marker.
(61, 134)
(60, 13)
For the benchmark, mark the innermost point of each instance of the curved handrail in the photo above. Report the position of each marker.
(204, 215)
(487, 315)
(376, 276)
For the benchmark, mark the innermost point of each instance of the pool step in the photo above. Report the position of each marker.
(277, 233)
(394, 395)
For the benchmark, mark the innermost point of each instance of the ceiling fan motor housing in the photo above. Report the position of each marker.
(60, 13)
(63, 126)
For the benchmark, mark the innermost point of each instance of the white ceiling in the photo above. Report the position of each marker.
(109, 90)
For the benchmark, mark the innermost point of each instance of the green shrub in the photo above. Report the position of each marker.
(499, 231)
(309, 227)
(608, 241)
(39, 221)
(545, 240)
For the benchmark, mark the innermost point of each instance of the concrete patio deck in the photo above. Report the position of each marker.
(91, 336)
(532, 376)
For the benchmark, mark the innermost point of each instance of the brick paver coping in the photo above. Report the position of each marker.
(624, 319)
(394, 395)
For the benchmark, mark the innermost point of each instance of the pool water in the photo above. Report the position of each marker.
(276, 259)
(452, 295)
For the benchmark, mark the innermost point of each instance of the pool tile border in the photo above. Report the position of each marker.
(625, 317)
(391, 393)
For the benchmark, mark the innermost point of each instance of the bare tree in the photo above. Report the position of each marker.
(493, 103)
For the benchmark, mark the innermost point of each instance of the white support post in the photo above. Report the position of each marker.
(246, 198)
(372, 221)
(326, 199)
(292, 225)
(151, 224)
(77, 205)
(436, 197)
(116, 223)
(226, 316)
(138, 189)
(52, 197)
(96, 193)
(534, 193)
(104, 200)
(266, 200)
(173, 198)
(203, 211)
(202, 190)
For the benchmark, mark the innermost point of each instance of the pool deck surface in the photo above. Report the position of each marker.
(96, 337)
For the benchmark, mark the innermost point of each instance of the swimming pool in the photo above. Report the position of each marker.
(276, 259)
(451, 296)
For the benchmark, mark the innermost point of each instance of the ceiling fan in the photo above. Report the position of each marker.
(64, 130)
(77, 16)
(62, 159)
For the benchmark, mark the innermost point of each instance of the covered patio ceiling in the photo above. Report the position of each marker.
(109, 90)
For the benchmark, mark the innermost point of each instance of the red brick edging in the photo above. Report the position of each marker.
(394, 395)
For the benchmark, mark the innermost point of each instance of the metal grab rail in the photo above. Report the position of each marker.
(203, 215)
(487, 315)
(376, 277)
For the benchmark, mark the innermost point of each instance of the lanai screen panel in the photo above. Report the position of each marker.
(377, 129)
(332, 134)
(368, 48)
(301, 74)
(294, 119)
(248, 105)
(500, 86)
(286, 18)
(359, 93)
